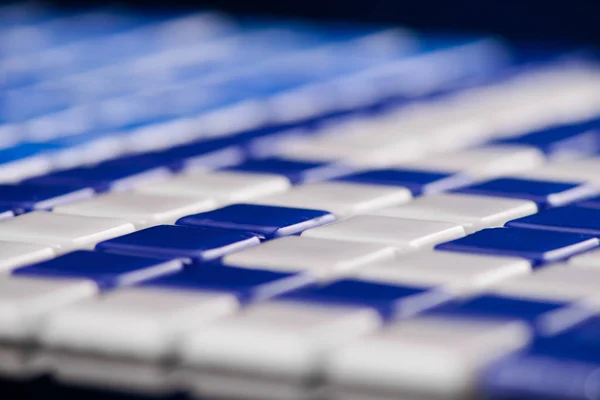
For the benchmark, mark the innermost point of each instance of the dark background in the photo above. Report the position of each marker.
(553, 22)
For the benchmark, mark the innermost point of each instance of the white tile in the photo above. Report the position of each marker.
(70, 121)
(95, 151)
(362, 149)
(26, 168)
(422, 358)
(143, 210)
(224, 186)
(237, 117)
(118, 374)
(579, 99)
(303, 102)
(555, 283)
(452, 130)
(7, 214)
(529, 102)
(276, 340)
(472, 212)
(13, 254)
(19, 363)
(139, 323)
(459, 273)
(157, 136)
(589, 259)
(10, 134)
(62, 232)
(26, 302)
(340, 198)
(403, 233)
(490, 161)
(580, 170)
(324, 258)
(520, 113)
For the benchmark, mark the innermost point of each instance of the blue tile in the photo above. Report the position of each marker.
(214, 153)
(544, 193)
(107, 270)
(295, 171)
(557, 373)
(418, 182)
(142, 162)
(578, 139)
(558, 348)
(169, 241)
(249, 285)
(79, 139)
(21, 13)
(585, 221)
(26, 197)
(535, 313)
(593, 202)
(102, 177)
(20, 152)
(267, 222)
(584, 335)
(535, 245)
(391, 301)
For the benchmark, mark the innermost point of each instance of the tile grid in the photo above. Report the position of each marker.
(386, 152)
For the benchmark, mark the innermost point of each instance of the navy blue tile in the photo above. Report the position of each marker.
(557, 373)
(585, 221)
(250, 285)
(141, 162)
(544, 193)
(535, 313)
(267, 222)
(559, 348)
(214, 153)
(579, 139)
(295, 171)
(538, 246)
(584, 335)
(169, 241)
(102, 177)
(25, 197)
(593, 202)
(391, 301)
(418, 182)
(105, 269)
